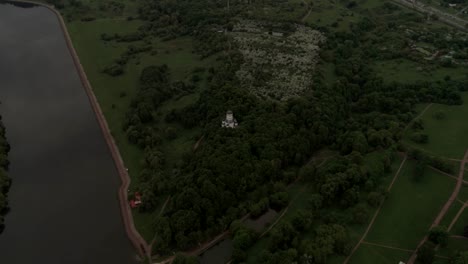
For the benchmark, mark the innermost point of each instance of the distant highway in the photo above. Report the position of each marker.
(447, 18)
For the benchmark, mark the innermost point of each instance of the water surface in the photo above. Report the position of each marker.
(262, 222)
(219, 254)
(64, 203)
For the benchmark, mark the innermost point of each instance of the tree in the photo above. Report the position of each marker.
(281, 236)
(419, 170)
(419, 137)
(439, 115)
(315, 201)
(360, 214)
(163, 232)
(302, 220)
(438, 235)
(461, 258)
(426, 254)
(259, 208)
(374, 199)
(465, 231)
(279, 200)
(418, 124)
(182, 259)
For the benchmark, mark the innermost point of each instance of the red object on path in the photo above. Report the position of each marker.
(138, 196)
(134, 203)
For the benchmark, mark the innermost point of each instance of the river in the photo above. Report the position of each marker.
(64, 199)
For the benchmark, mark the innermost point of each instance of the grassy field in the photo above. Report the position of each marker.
(454, 245)
(447, 137)
(410, 208)
(300, 195)
(451, 214)
(331, 14)
(115, 93)
(457, 229)
(403, 70)
(373, 254)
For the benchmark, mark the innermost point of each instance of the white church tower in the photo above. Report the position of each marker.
(230, 121)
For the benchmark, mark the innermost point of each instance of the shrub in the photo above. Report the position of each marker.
(419, 137)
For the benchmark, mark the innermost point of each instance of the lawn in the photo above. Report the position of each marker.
(410, 208)
(454, 245)
(96, 54)
(300, 194)
(403, 70)
(331, 14)
(453, 210)
(448, 137)
(463, 194)
(459, 226)
(367, 254)
(115, 93)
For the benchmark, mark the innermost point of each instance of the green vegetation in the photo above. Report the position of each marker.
(5, 181)
(166, 72)
(410, 208)
(459, 228)
(409, 71)
(447, 137)
(451, 214)
(376, 254)
(116, 93)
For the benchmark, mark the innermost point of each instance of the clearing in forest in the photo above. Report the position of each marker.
(410, 208)
(447, 130)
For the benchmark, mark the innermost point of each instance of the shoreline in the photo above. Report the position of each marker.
(133, 235)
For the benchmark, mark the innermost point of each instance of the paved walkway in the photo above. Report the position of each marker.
(417, 117)
(385, 246)
(446, 207)
(375, 214)
(454, 220)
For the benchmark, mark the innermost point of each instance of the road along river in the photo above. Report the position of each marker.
(64, 198)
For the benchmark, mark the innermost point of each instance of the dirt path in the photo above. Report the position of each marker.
(197, 144)
(385, 246)
(308, 13)
(449, 175)
(446, 207)
(397, 248)
(274, 223)
(459, 237)
(454, 220)
(417, 117)
(160, 213)
(375, 214)
(461, 11)
(432, 154)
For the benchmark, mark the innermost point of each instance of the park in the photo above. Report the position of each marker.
(354, 159)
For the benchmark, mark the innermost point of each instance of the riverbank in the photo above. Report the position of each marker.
(134, 236)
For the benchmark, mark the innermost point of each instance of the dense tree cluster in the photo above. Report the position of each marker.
(439, 236)
(5, 181)
(245, 170)
(425, 159)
